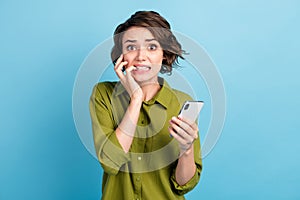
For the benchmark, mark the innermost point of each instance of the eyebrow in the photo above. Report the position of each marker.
(149, 40)
(133, 41)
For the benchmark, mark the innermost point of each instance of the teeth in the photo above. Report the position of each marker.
(142, 68)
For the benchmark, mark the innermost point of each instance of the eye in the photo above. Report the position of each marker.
(152, 47)
(131, 48)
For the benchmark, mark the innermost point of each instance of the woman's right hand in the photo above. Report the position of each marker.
(131, 86)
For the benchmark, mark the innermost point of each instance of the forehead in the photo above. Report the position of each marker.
(137, 33)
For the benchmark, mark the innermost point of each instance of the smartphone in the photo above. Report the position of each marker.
(191, 110)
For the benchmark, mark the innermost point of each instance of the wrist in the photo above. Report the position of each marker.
(187, 152)
(136, 99)
(137, 95)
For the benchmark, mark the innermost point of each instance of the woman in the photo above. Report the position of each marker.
(145, 149)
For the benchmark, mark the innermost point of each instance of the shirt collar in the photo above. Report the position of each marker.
(164, 95)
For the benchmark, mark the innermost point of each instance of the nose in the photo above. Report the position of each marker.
(141, 54)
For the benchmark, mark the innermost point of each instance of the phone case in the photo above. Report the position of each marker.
(191, 110)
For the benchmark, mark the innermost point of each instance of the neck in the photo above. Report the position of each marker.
(150, 90)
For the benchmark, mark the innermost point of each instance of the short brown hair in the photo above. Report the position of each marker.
(161, 30)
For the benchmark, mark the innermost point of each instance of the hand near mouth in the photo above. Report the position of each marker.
(131, 86)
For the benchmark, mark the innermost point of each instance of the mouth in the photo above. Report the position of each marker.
(142, 68)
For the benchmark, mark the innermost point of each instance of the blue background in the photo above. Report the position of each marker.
(255, 45)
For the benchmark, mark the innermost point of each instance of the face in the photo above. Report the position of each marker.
(140, 49)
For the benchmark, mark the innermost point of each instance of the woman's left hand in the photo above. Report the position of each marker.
(184, 131)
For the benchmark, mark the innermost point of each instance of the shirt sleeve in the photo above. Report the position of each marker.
(183, 189)
(108, 149)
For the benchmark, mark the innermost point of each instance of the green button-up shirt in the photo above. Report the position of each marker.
(147, 171)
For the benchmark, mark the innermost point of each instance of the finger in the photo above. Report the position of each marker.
(184, 144)
(119, 68)
(128, 72)
(176, 136)
(191, 124)
(119, 60)
(185, 126)
(187, 137)
(195, 127)
(186, 120)
(129, 69)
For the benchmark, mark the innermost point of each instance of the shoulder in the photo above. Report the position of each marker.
(173, 94)
(107, 85)
(103, 89)
(181, 96)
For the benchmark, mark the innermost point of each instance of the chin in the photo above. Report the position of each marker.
(143, 81)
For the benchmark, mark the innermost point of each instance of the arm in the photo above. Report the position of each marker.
(112, 141)
(110, 149)
(185, 132)
(186, 167)
(126, 129)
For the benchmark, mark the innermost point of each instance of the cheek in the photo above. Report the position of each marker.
(159, 56)
(158, 59)
(129, 56)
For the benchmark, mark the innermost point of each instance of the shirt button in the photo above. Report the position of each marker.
(138, 179)
(142, 121)
(139, 158)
